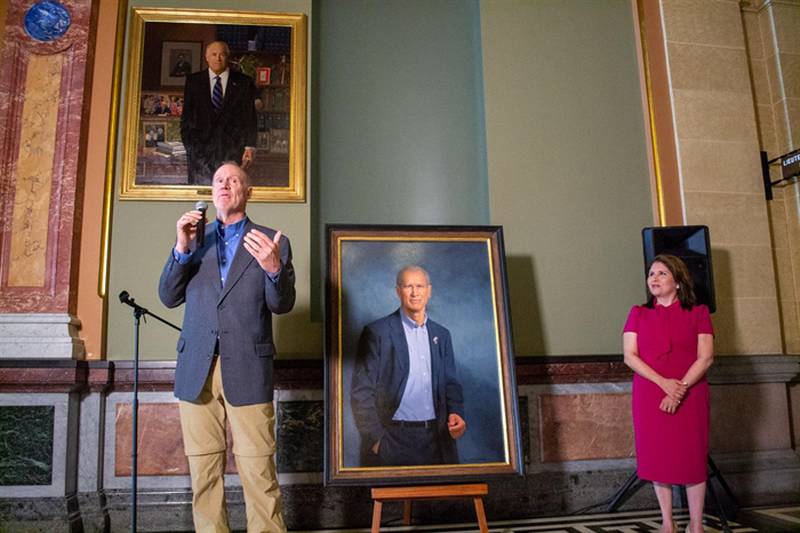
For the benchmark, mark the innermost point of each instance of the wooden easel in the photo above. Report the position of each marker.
(428, 492)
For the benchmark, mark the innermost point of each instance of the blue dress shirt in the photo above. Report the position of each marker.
(228, 239)
(417, 401)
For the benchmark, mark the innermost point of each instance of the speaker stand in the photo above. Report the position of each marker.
(633, 484)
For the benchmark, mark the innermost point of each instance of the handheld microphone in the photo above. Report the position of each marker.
(200, 236)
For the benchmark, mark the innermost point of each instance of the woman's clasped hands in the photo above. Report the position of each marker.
(675, 391)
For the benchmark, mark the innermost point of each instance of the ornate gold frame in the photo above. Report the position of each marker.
(496, 355)
(295, 191)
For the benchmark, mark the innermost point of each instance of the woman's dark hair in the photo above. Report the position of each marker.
(680, 272)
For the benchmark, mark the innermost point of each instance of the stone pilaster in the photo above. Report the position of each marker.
(42, 101)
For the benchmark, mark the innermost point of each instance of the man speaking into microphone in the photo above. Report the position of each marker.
(231, 285)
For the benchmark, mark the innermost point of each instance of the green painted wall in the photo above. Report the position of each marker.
(568, 173)
(399, 95)
(401, 137)
(545, 136)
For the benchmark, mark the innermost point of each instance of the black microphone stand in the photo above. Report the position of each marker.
(138, 312)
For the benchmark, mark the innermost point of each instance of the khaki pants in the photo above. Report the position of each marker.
(203, 425)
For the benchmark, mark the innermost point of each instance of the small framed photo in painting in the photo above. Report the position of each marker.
(153, 133)
(262, 76)
(178, 60)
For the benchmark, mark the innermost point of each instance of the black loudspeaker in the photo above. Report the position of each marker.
(690, 243)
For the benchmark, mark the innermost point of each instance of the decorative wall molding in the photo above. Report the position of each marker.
(43, 96)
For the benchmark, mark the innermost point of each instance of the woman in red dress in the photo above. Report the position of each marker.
(668, 343)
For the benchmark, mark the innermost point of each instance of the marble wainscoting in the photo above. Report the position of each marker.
(39, 410)
(299, 429)
(26, 444)
(575, 425)
(163, 480)
(584, 430)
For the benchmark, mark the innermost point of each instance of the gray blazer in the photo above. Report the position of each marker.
(240, 315)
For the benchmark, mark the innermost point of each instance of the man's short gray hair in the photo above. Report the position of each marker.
(237, 165)
(223, 43)
(411, 268)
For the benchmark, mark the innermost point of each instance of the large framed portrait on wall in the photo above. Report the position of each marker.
(258, 118)
(418, 350)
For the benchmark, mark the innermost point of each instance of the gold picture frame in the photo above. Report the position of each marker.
(466, 265)
(275, 43)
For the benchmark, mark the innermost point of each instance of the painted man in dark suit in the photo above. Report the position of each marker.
(231, 286)
(219, 116)
(407, 400)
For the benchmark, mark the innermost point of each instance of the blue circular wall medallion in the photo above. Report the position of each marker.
(47, 20)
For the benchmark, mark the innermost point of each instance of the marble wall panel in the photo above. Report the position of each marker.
(760, 408)
(117, 442)
(537, 432)
(28, 253)
(160, 445)
(26, 444)
(585, 426)
(300, 454)
(300, 435)
(39, 427)
(159, 439)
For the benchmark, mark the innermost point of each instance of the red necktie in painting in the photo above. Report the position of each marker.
(216, 95)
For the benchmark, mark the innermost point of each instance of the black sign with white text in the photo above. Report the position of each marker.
(790, 164)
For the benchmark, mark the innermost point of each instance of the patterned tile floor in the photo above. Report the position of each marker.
(762, 520)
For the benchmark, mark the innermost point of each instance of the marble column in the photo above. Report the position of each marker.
(42, 100)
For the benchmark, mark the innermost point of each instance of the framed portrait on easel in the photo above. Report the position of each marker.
(454, 386)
